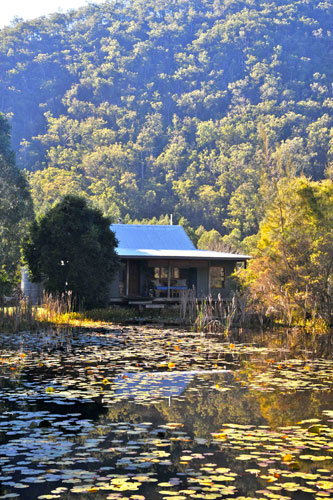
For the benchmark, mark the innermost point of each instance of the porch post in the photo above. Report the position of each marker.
(127, 277)
(169, 278)
(209, 278)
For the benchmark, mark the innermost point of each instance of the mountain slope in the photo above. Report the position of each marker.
(185, 107)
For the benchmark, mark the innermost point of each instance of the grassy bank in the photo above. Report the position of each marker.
(209, 316)
(57, 312)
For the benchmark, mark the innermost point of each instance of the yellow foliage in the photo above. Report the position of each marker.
(289, 275)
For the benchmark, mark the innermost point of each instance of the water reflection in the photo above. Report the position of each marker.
(104, 414)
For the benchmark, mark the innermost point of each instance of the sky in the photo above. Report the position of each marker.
(30, 9)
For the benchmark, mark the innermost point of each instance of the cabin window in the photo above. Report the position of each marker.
(161, 273)
(175, 273)
(217, 277)
(164, 273)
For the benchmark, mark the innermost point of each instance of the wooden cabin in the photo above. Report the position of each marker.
(160, 262)
(158, 265)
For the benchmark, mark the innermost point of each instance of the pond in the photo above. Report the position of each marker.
(151, 414)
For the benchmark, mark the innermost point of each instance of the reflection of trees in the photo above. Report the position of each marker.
(205, 412)
(126, 411)
(201, 412)
(281, 409)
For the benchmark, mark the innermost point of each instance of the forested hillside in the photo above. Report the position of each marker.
(16, 210)
(189, 107)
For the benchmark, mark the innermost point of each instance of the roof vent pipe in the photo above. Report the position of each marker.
(170, 219)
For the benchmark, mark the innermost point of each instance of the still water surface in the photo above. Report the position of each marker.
(141, 413)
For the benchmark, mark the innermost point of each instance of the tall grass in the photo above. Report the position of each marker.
(56, 311)
(188, 306)
(210, 315)
(55, 308)
(20, 314)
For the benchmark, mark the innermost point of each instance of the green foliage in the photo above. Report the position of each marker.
(73, 250)
(185, 107)
(5, 285)
(291, 274)
(15, 206)
(163, 220)
(210, 240)
(213, 240)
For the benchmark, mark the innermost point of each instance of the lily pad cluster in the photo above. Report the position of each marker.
(131, 413)
(288, 459)
(293, 374)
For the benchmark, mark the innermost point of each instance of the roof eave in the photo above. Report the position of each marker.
(238, 258)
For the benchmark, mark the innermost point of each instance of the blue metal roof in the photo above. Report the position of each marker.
(164, 242)
(154, 237)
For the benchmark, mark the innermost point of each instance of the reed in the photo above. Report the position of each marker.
(56, 308)
(188, 306)
(212, 315)
(22, 315)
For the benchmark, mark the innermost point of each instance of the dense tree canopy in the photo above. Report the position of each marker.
(152, 107)
(292, 273)
(72, 248)
(15, 207)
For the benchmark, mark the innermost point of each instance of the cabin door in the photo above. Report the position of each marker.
(134, 278)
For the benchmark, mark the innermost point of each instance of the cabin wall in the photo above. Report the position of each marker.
(32, 291)
(203, 281)
(229, 269)
(197, 277)
(225, 292)
(143, 283)
(203, 285)
(114, 286)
